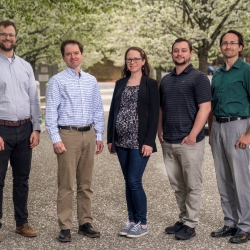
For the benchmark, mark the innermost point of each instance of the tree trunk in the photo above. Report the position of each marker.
(33, 65)
(158, 75)
(203, 56)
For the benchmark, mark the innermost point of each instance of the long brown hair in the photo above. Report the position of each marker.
(146, 69)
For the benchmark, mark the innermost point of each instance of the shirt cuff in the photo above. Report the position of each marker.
(99, 136)
(36, 126)
(55, 138)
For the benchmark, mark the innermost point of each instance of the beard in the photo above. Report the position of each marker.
(4, 48)
(185, 61)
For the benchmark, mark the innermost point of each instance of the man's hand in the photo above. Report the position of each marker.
(99, 147)
(146, 150)
(34, 139)
(160, 129)
(160, 137)
(59, 147)
(243, 142)
(189, 140)
(109, 149)
(1, 144)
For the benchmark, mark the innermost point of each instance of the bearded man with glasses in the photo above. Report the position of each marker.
(20, 117)
(230, 138)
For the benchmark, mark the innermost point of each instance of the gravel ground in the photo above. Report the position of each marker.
(109, 207)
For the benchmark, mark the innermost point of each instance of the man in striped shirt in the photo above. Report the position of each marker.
(185, 103)
(75, 123)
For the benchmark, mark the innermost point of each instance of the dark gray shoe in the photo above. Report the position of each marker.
(174, 229)
(64, 236)
(124, 231)
(185, 233)
(137, 231)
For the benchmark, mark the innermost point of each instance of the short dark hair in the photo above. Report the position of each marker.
(238, 34)
(64, 43)
(181, 39)
(7, 23)
(146, 69)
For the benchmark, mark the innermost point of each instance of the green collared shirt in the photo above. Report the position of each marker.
(231, 90)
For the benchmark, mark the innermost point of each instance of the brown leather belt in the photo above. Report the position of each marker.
(14, 124)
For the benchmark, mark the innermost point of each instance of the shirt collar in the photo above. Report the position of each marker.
(185, 71)
(5, 57)
(236, 65)
(72, 72)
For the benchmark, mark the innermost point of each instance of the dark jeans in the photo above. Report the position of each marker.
(133, 166)
(18, 151)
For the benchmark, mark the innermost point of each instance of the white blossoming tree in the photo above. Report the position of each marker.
(201, 21)
(108, 27)
(154, 25)
(43, 25)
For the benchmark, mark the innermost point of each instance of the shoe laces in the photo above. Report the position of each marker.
(128, 224)
(136, 227)
(26, 225)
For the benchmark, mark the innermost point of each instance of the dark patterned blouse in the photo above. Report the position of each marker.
(127, 123)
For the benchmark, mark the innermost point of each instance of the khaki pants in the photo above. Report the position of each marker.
(77, 163)
(184, 167)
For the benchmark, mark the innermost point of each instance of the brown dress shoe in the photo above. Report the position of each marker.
(26, 230)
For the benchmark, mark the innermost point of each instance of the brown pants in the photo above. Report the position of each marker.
(77, 163)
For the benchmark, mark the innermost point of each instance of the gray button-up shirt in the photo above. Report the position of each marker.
(18, 91)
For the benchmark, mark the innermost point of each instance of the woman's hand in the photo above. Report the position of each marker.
(146, 150)
(109, 148)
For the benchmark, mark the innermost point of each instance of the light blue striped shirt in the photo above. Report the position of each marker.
(18, 91)
(73, 100)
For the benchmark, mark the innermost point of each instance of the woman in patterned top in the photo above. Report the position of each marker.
(132, 127)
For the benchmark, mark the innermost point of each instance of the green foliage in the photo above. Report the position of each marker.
(108, 27)
(42, 25)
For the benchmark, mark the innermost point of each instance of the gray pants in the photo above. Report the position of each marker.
(232, 172)
(184, 167)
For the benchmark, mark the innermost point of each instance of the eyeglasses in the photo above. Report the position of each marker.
(5, 35)
(130, 60)
(225, 44)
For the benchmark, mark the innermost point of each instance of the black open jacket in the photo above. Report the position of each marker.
(148, 111)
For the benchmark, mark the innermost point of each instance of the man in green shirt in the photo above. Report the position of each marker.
(230, 138)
